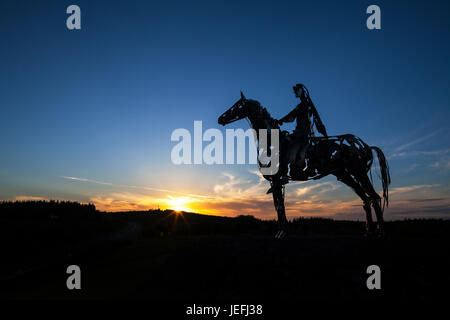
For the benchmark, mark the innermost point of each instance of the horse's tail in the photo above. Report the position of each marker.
(385, 176)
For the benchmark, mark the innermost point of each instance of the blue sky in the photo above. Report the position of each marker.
(101, 103)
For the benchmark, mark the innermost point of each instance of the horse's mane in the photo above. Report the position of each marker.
(262, 111)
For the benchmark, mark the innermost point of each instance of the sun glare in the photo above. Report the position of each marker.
(178, 204)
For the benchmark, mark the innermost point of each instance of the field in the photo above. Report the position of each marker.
(164, 255)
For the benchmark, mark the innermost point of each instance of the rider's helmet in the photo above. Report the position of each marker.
(300, 91)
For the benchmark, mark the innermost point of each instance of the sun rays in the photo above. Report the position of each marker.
(179, 203)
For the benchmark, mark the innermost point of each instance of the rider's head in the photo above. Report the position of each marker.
(300, 91)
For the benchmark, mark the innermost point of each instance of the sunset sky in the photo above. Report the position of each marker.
(87, 115)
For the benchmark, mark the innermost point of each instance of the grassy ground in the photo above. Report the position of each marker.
(188, 257)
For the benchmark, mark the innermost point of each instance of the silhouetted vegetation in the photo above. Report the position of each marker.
(45, 209)
(157, 223)
(39, 231)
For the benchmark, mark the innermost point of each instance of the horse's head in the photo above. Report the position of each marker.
(243, 108)
(237, 111)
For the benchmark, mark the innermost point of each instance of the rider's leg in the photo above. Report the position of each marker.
(302, 157)
(299, 164)
(287, 155)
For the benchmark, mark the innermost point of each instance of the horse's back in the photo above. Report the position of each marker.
(344, 149)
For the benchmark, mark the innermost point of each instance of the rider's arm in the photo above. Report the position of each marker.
(290, 116)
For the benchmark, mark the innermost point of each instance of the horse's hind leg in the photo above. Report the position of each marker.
(278, 201)
(350, 181)
(376, 203)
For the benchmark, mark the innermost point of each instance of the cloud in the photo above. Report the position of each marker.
(231, 185)
(411, 168)
(419, 208)
(319, 188)
(427, 200)
(406, 154)
(235, 188)
(406, 202)
(25, 198)
(442, 164)
(412, 188)
(124, 202)
(419, 140)
(132, 187)
(247, 196)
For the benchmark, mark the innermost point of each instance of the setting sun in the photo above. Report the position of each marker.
(178, 204)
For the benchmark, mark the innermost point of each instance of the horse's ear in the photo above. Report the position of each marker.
(242, 96)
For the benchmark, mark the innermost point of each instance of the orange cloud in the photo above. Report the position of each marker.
(234, 196)
(24, 198)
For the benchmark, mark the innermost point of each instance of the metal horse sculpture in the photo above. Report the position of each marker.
(345, 156)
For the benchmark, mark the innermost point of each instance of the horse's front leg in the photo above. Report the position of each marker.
(278, 201)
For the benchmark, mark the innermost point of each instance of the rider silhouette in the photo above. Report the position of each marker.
(307, 116)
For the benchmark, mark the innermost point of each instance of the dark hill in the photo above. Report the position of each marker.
(163, 255)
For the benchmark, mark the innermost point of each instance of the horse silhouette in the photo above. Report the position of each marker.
(345, 156)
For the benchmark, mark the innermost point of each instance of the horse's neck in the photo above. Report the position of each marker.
(257, 124)
(258, 121)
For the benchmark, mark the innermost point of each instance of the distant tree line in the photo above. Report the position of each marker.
(43, 209)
